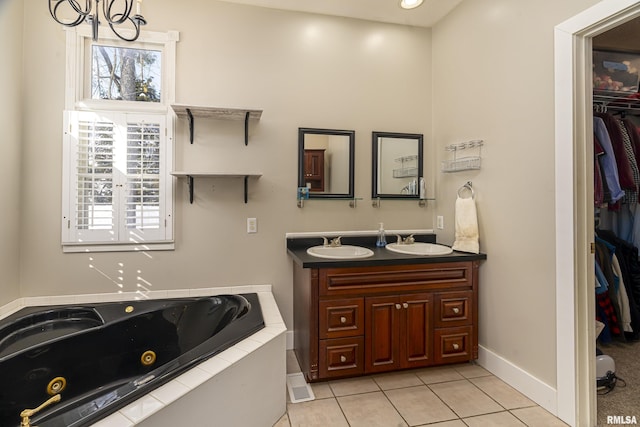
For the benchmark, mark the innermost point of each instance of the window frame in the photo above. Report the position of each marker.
(78, 79)
(79, 40)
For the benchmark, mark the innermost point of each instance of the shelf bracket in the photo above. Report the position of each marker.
(190, 117)
(246, 129)
(190, 180)
(246, 187)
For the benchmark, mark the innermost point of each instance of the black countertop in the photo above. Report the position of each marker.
(297, 248)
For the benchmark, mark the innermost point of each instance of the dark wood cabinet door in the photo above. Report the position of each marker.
(415, 338)
(382, 333)
(398, 332)
(314, 169)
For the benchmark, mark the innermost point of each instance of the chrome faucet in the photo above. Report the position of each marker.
(406, 241)
(27, 413)
(335, 242)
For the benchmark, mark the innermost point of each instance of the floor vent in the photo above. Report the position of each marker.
(299, 390)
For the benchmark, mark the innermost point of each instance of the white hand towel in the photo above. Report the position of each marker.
(466, 226)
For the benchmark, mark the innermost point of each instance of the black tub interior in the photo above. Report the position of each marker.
(44, 326)
(111, 354)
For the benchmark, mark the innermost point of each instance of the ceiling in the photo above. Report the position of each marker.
(429, 13)
(624, 37)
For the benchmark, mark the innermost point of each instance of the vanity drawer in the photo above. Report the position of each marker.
(341, 318)
(352, 281)
(453, 344)
(453, 309)
(341, 357)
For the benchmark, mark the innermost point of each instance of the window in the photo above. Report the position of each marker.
(117, 187)
(120, 73)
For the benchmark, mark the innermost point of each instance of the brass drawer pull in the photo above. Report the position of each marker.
(343, 319)
(456, 310)
(456, 346)
(343, 358)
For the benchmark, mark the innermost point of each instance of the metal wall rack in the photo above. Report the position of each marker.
(458, 164)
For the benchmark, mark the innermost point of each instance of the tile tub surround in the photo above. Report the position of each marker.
(251, 373)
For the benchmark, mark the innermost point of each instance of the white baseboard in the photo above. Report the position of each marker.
(535, 389)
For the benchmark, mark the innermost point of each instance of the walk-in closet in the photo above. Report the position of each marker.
(616, 163)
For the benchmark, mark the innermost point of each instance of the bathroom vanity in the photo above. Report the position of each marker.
(382, 313)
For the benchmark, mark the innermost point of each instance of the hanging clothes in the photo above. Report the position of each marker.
(626, 256)
(623, 298)
(631, 194)
(598, 181)
(617, 189)
(625, 175)
(632, 130)
(613, 313)
(608, 160)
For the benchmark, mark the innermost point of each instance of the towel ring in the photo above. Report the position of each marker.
(467, 186)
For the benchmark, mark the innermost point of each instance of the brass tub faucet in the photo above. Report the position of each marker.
(31, 412)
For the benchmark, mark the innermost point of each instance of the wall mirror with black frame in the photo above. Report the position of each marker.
(326, 162)
(397, 166)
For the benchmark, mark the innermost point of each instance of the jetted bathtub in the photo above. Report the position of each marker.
(100, 357)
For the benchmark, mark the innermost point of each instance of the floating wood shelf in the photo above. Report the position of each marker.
(220, 113)
(191, 175)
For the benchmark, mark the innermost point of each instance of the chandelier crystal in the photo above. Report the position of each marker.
(115, 13)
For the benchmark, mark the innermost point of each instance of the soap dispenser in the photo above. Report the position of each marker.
(382, 240)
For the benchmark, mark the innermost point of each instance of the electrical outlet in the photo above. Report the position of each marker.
(252, 225)
(440, 222)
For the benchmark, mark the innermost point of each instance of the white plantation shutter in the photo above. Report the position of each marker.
(115, 179)
(143, 207)
(91, 145)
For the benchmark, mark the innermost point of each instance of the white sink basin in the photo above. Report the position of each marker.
(420, 248)
(339, 252)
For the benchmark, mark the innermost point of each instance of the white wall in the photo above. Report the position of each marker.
(493, 80)
(304, 71)
(11, 114)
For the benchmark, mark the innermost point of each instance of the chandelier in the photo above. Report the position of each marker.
(113, 15)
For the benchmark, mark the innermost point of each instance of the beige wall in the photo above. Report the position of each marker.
(304, 71)
(11, 22)
(493, 79)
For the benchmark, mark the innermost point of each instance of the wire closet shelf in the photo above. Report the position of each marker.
(611, 102)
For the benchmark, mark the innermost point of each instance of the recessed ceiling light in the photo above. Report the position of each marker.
(410, 4)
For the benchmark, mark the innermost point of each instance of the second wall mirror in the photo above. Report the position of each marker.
(397, 165)
(326, 162)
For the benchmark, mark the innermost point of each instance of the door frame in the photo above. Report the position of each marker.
(575, 298)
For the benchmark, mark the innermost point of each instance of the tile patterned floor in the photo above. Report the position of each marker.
(462, 395)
